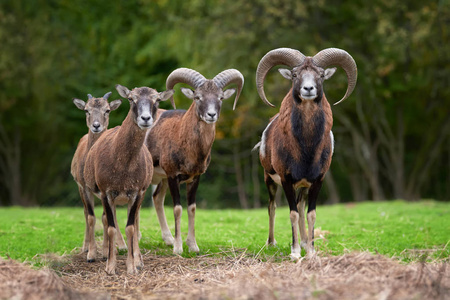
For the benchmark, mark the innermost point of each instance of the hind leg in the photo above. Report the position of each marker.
(272, 189)
(158, 202)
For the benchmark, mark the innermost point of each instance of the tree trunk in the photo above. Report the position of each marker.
(333, 195)
(255, 180)
(239, 178)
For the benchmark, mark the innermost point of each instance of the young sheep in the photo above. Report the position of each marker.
(119, 169)
(97, 119)
(297, 145)
(181, 142)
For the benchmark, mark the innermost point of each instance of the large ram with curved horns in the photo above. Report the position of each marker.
(297, 145)
(181, 144)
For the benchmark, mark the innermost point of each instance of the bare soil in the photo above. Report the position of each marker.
(229, 275)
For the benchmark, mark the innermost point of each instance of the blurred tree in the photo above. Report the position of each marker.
(392, 135)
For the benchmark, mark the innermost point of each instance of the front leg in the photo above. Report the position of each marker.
(158, 202)
(88, 200)
(134, 259)
(174, 187)
(311, 216)
(301, 201)
(290, 195)
(191, 192)
(109, 208)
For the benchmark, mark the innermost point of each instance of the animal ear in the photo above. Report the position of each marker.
(328, 73)
(79, 103)
(286, 73)
(188, 93)
(163, 96)
(113, 105)
(123, 91)
(228, 93)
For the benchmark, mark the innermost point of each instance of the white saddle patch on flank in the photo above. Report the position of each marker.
(262, 148)
(332, 142)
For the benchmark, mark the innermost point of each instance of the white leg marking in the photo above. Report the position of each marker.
(311, 221)
(92, 245)
(178, 244)
(105, 237)
(158, 202)
(295, 248)
(190, 241)
(271, 240)
(301, 220)
(111, 260)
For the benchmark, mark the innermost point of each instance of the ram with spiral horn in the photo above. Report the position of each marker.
(296, 147)
(181, 145)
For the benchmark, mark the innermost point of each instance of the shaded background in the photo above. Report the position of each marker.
(392, 135)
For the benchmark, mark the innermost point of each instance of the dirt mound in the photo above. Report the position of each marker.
(18, 281)
(236, 275)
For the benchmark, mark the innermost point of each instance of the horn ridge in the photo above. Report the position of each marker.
(281, 56)
(227, 77)
(341, 58)
(184, 75)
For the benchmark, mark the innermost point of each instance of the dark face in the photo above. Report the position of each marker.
(307, 80)
(208, 100)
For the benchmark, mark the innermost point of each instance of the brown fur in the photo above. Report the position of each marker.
(296, 151)
(119, 168)
(190, 137)
(98, 110)
(180, 143)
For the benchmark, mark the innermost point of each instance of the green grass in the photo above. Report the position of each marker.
(395, 229)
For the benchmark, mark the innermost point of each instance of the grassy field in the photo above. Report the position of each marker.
(408, 231)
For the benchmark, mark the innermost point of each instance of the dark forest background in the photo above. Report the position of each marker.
(392, 135)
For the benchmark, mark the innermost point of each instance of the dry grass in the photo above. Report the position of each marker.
(231, 275)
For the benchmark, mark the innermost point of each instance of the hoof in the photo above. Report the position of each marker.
(271, 244)
(295, 257)
(169, 240)
(304, 245)
(194, 249)
(110, 271)
(177, 250)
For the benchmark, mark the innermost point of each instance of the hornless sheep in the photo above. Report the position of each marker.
(119, 169)
(97, 119)
(181, 142)
(297, 145)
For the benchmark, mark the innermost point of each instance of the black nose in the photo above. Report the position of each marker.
(96, 125)
(212, 115)
(308, 88)
(145, 118)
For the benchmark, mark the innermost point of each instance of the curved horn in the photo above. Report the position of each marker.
(339, 57)
(227, 77)
(90, 97)
(281, 56)
(107, 95)
(184, 75)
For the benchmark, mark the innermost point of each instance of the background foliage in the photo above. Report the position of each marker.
(393, 134)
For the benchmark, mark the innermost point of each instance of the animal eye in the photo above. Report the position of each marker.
(86, 111)
(196, 98)
(294, 75)
(107, 111)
